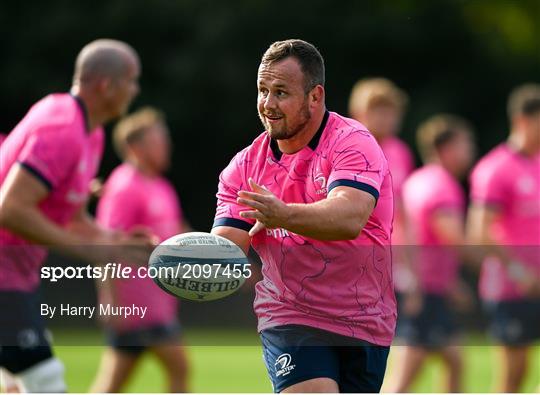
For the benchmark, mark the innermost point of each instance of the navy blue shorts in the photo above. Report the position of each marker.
(137, 341)
(296, 353)
(24, 340)
(515, 322)
(433, 327)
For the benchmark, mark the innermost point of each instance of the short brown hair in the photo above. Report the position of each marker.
(524, 100)
(309, 57)
(438, 130)
(131, 128)
(370, 92)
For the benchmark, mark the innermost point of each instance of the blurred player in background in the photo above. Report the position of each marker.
(379, 104)
(137, 195)
(434, 204)
(312, 195)
(46, 164)
(505, 218)
(8, 384)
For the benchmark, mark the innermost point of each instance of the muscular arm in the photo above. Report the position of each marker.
(341, 216)
(20, 196)
(238, 236)
(335, 218)
(84, 225)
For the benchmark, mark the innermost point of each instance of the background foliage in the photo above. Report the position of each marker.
(200, 60)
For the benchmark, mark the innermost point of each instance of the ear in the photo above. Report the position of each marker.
(316, 95)
(522, 120)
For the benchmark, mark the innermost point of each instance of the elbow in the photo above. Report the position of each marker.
(8, 215)
(354, 222)
(352, 229)
(4, 217)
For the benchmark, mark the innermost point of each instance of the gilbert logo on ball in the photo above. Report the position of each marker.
(199, 266)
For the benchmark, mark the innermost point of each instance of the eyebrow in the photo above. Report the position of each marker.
(278, 85)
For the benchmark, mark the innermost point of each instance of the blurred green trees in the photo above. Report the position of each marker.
(200, 60)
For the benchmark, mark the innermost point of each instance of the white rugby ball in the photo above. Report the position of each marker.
(199, 266)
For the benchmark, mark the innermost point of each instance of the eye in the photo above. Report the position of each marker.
(263, 91)
(281, 93)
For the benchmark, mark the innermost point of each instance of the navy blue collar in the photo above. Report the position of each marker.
(313, 143)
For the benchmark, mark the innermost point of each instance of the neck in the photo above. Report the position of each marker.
(303, 137)
(453, 170)
(96, 117)
(518, 141)
(380, 139)
(142, 167)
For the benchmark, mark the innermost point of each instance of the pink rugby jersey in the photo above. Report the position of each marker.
(131, 199)
(429, 190)
(54, 144)
(401, 164)
(343, 287)
(3, 137)
(510, 182)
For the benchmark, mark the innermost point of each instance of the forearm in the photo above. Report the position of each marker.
(238, 236)
(85, 226)
(30, 224)
(341, 216)
(328, 219)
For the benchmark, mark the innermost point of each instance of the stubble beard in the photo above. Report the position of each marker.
(284, 132)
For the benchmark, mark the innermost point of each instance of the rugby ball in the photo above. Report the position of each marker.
(199, 266)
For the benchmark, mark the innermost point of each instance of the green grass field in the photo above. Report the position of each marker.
(237, 367)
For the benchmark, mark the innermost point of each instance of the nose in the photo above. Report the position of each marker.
(269, 103)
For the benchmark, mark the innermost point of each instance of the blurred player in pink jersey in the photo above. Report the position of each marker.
(434, 204)
(136, 195)
(379, 104)
(505, 218)
(46, 164)
(312, 195)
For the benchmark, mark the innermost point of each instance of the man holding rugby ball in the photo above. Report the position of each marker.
(312, 195)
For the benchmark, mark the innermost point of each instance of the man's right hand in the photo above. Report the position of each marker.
(132, 247)
(135, 247)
